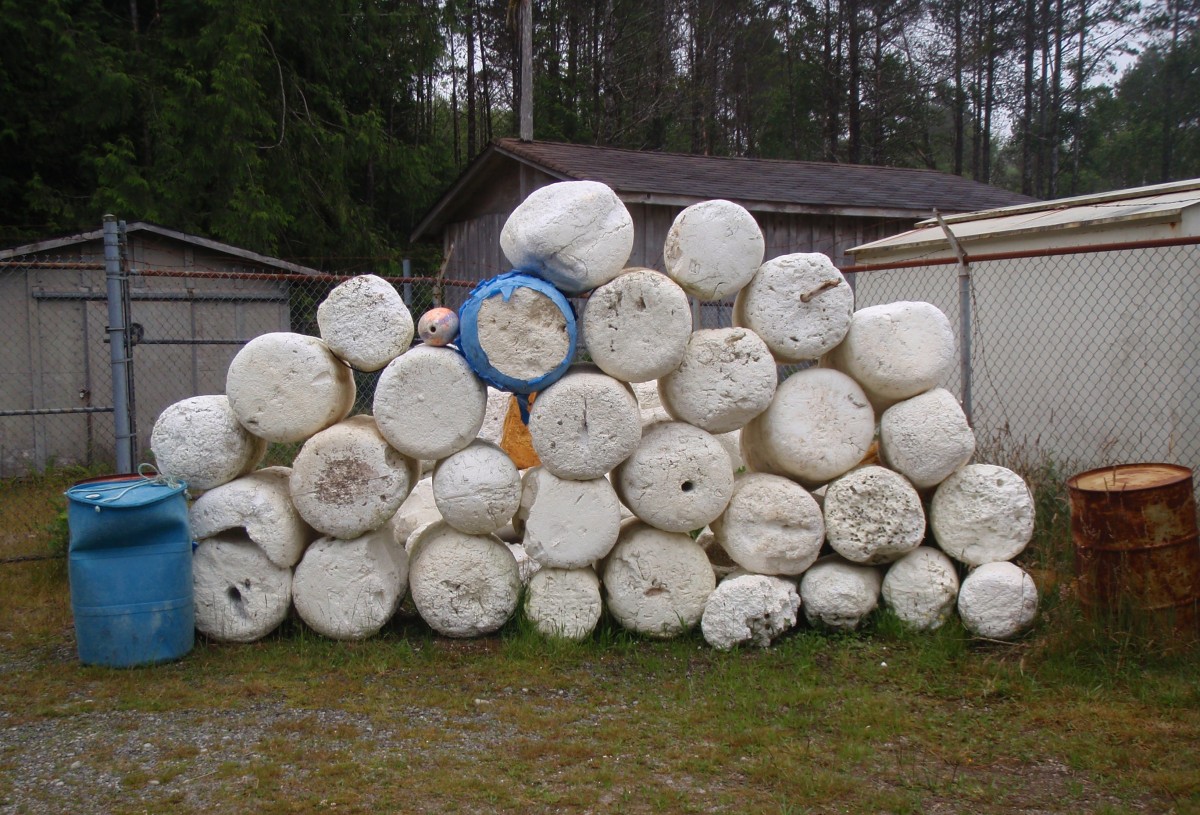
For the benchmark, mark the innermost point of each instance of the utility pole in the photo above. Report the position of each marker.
(526, 111)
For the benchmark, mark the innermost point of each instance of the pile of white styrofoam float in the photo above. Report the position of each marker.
(681, 482)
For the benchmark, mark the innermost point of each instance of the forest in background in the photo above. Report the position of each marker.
(321, 131)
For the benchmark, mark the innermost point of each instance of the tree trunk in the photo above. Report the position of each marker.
(472, 117)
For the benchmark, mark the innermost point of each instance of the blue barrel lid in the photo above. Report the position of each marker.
(125, 491)
(468, 333)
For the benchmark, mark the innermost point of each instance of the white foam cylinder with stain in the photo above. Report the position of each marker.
(429, 403)
(585, 424)
(285, 387)
(873, 515)
(771, 525)
(749, 609)
(260, 505)
(365, 323)
(564, 603)
(240, 595)
(200, 441)
(478, 489)
(997, 601)
(523, 334)
(837, 594)
(926, 437)
(800, 304)
(636, 326)
(921, 588)
(568, 524)
(727, 377)
(983, 513)
(713, 249)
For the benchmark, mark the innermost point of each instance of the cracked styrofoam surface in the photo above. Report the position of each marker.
(997, 601)
(636, 326)
(429, 403)
(365, 323)
(200, 441)
(564, 603)
(239, 594)
(418, 509)
(348, 589)
(585, 424)
(873, 515)
(260, 504)
(800, 304)
(750, 609)
(921, 588)
(838, 594)
(478, 489)
(981, 514)
(568, 524)
(771, 525)
(727, 377)
(713, 249)
(926, 438)
(524, 335)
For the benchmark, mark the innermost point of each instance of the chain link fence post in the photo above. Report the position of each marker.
(117, 284)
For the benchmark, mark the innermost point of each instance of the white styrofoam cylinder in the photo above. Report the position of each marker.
(418, 509)
(732, 442)
(200, 441)
(799, 304)
(926, 438)
(678, 479)
(478, 489)
(981, 514)
(523, 334)
(429, 403)
(564, 603)
(921, 588)
(750, 609)
(286, 387)
(656, 582)
(347, 480)
(260, 504)
(527, 567)
(873, 515)
(771, 526)
(726, 378)
(818, 426)
(896, 350)
(647, 395)
(349, 589)
(239, 594)
(364, 322)
(997, 600)
(584, 424)
(838, 594)
(713, 249)
(574, 234)
(568, 524)
(492, 428)
(636, 326)
(463, 585)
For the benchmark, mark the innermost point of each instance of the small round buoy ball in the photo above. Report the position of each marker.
(418, 509)
(921, 588)
(750, 609)
(240, 595)
(438, 326)
(478, 489)
(349, 589)
(429, 403)
(771, 526)
(574, 234)
(285, 387)
(818, 426)
(799, 304)
(636, 326)
(568, 524)
(983, 513)
(347, 480)
(896, 350)
(200, 441)
(678, 479)
(713, 249)
(838, 594)
(260, 506)
(564, 603)
(584, 425)
(873, 515)
(726, 378)
(656, 582)
(926, 438)
(997, 601)
(365, 323)
(463, 585)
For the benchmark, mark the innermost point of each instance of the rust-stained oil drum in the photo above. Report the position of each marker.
(1136, 544)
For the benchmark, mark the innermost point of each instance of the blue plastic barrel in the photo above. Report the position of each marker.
(130, 567)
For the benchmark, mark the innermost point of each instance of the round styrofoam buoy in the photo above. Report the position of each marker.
(838, 594)
(568, 523)
(347, 480)
(926, 438)
(636, 326)
(750, 609)
(713, 249)
(261, 505)
(818, 426)
(585, 424)
(564, 603)
(348, 589)
(463, 585)
(285, 387)
(438, 326)
(365, 323)
(921, 588)
(678, 479)
(574, 234)
(981, 514)
(799, 304)
(997, 600)
(896, 350)
(771, 526)
(656, 582)
(727, 377)
(873, 515)
(429, 403)
(239, 594)
(478, 489)
(200, 441)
